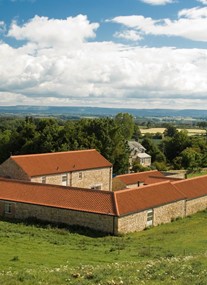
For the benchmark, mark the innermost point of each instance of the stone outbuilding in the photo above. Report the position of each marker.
(82, 168)
(195, 190)
(133, 180)
(111, 212)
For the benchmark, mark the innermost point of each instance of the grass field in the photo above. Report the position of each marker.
(174, 253)
(191, 132)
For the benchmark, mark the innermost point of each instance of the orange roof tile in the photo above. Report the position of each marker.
(150, 196)
(133, 178)
(87, 200)
(193, 187)
(60, 162)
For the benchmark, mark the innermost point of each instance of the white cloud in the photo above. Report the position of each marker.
(54, 32)
(97, 73)
(204, 2)
(194, 13)
(191, 24)
(131, 35)
(158, 2)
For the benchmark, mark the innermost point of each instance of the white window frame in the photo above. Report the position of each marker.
(150, 216)
(8, 208)
(64, 179)
(44, 179)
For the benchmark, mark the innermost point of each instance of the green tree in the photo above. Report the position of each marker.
(126, 124)
(174, 146)
(191, 159)
(153, 150)
(170, 131)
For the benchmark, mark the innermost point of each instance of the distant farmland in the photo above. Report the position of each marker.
(191, 132)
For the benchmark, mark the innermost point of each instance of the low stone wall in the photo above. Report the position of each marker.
(161, 215)
(132, 223)
(166, 213)
(195, 205)
(104, 223)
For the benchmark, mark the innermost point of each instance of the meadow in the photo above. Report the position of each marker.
(191, 132)
(174, 253)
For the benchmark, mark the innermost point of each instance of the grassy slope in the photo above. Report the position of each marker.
(175, 252)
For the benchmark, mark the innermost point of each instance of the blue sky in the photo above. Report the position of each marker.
(117, 53)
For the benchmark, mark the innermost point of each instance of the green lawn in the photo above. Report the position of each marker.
(174, 253)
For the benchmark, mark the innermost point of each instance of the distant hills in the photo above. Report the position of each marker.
(97, 111)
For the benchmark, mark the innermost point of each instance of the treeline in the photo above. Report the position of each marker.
(40, 135)
(177, 150)
(108, 135)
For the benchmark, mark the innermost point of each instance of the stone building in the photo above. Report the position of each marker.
(121, 211)
(82, 168)
(195, 191)
(138, 154)
(133, 180)
(145, 199)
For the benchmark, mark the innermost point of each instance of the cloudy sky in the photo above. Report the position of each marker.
(104, 53)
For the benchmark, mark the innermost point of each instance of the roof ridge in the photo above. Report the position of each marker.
(143, 172)
(52, 153)
(144, 186)
(116, 204)
(46, 185)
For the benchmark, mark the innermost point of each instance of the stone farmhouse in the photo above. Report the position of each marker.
(154, 201)
(138, 154)
(83, 168)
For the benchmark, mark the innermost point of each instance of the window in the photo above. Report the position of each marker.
(43, 179)
(8, 208)
(80, 175)
(149, 217)
(96, 187)
(64, 180)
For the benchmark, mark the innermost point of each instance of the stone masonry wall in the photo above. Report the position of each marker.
(132, 223)
(2, 210)
(10, 169)
(98, 222)
(165, 214)
(82, 179)
(196, 205)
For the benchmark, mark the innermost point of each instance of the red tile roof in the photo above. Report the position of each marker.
(193, 187)
(60, 162)
(146, 197)
(87, 200)
(116, 203)
(133, 178)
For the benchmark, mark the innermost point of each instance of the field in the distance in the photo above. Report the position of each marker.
(191, 132)
(174, 253)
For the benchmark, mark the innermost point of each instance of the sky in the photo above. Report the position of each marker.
(104, 53)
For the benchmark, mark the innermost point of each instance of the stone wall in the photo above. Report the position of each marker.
(166, 213)
(195, 205)
(132, 223)
(161, 215)
(10, 169)
(104, 223)
(82, 179)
